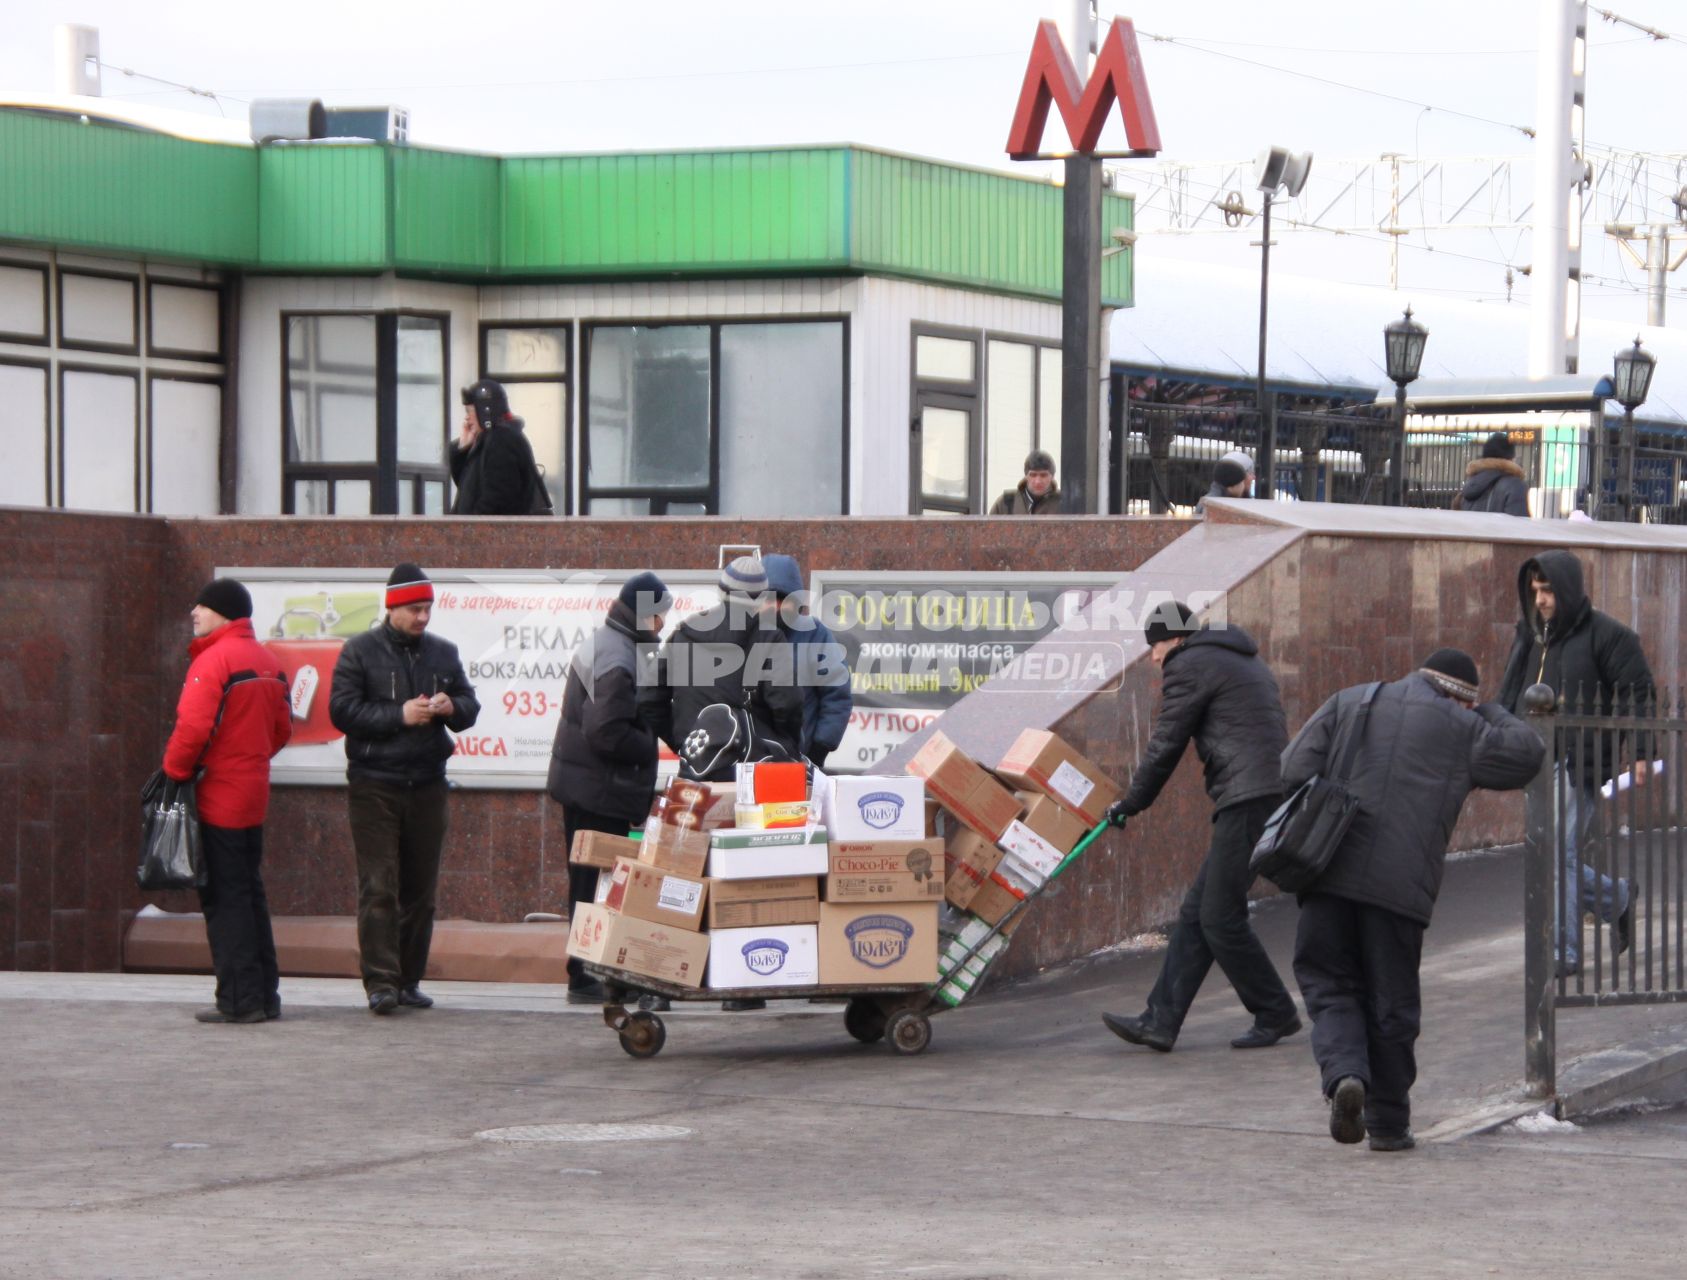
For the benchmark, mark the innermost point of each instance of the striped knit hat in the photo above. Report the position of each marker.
(407, 584)
(745, 576)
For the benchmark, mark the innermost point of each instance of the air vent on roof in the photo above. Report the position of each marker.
(378, 124)
(287, 120)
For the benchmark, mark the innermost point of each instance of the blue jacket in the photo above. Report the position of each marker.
(820, 664)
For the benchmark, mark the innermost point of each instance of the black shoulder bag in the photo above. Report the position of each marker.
(1303, 834)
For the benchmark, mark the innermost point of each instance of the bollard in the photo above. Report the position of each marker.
(1539, 876)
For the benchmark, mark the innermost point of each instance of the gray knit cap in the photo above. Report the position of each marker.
(745, 576)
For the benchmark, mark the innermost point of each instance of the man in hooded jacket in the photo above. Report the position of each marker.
(1596, 666)
(1037, 494)
(1423, 743)
(1215, 689)
(603, 759)
(821, 671)
(1494, 482)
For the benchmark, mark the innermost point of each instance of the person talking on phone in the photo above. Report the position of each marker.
(396, 691)
(491, 459)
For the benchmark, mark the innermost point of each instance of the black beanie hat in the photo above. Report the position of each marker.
(1169, 621)
(1453, 672)
(226, 597)
(1499, 445)
(645, 594)
(1228, 473)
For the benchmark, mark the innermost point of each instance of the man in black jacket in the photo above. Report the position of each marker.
(1423, 745)
(603, 760)
(1037, 494)
(396, 691)
(1216, 690)
(491, 459)
(1597, 667)
(1494, 482)
(734, 656)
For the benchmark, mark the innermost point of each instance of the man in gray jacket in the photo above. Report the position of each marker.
(1424, 744)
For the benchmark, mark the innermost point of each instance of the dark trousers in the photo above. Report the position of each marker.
(1357, 966)
(237, 920)
(398, 833)
(582, 881)
(1213, 925)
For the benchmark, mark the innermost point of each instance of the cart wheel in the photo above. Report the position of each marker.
(865, 1020)
(644, 1035)
(909, 1032)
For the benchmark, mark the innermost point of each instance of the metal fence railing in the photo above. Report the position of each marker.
(1605, 883)
(1348, 457)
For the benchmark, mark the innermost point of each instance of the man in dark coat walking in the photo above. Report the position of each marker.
(396, 691)
(821, 670)
(1494, 482)
(1216, 690)
(491, 460)
(1423, 745)
(603, 760)
(1597, 667)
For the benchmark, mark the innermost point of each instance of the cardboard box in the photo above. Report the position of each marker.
(771, 817)
(995, 898)
(871, 944)
(1019, 841)
(884, 871)
(600, 849)
(1060, 827)
(968, 860)
(603, 936)
(738, 904)
(772, 782)
(723, 799)
(959, 972)
(963, 788)
(650, 893)
(741, 854)
(784, 955)
(876, 808)
(1039, 761)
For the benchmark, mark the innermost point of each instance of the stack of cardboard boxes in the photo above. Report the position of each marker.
(773, 881)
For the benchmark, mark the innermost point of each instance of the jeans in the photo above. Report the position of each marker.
(1213, 925)
(237, 920)
(398, 833)
(1596, 893)
(1357, 966)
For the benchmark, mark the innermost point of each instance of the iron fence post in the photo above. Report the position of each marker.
(1397, 461)
(1540, 805)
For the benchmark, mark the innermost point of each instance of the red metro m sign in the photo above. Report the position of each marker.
(1050, 78)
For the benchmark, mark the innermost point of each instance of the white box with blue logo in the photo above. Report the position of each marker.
(777, 955)
(876, 808)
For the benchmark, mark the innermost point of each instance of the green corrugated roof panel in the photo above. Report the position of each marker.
(372, 208)
(446, 210)
(88, 186)
(720, 212)
(324, 208)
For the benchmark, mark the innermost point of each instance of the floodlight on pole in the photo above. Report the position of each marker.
(1276, 169)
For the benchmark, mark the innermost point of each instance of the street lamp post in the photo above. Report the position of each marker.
(1633, 379)
(1403, 344)
(1275, 169)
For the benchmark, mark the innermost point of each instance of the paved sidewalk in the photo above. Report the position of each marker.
(1028, 1142)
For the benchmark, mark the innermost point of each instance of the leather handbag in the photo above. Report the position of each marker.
(1303, 834)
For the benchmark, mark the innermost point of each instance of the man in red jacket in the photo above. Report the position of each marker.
(233, 715)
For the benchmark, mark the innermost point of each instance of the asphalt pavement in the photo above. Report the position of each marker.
(504, 1133)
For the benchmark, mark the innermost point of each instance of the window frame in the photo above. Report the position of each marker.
(661, 497)
(1038, 346)
(138, 456)
(385, 472)
(45, 337)
(565, 380)
(945, 393)
(155, 352)
(148, 447)
(109, 348)
(51, 457)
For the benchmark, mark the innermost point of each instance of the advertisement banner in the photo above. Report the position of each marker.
(917, 643)
(515, 631)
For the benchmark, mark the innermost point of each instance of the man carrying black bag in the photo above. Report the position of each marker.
(1215, 689)
(1425, 745)
(233, 715)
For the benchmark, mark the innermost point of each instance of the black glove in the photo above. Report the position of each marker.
(1116, 814)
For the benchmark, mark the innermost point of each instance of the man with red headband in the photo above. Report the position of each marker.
(396, 691)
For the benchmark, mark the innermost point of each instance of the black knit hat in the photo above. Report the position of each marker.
(1228, 473)
(1453, 672)
(227, 598)
(1169, 621)
(1499, 445)
(645, 594)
